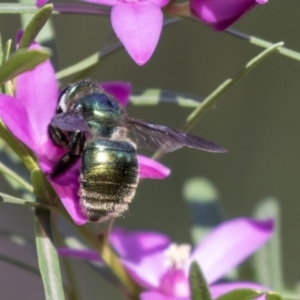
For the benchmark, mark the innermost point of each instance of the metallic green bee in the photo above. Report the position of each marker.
(92, 126)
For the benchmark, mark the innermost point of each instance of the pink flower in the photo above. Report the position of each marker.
(161, 267)
(40, 3)
(28, 114)
(138, 24)
(220, 14)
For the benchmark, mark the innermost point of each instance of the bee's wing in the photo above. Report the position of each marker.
(154, 137)
(69, 121)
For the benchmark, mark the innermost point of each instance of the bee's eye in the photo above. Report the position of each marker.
(79, 108)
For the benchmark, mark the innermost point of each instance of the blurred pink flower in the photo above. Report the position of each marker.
(28, 114)
(220, 14)
(40, 3)
(137, 24)
(161, 267)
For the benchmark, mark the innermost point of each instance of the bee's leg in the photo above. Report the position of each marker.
(57, 136)
(75, 147)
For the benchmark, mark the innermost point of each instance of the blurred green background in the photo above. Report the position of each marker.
(257, 121)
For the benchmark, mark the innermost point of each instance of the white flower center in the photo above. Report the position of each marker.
(177, 255)
(175, 282)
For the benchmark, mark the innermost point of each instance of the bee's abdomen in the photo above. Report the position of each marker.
(109, 176)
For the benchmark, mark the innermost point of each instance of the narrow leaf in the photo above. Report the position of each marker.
(5, 56)
(264, 44)
(21, 61)
(15, 177)
(204, 205)
(198, 286)
(154, 97)
(35, 25)
(42, 187)
(241, 294)
(1, 50)
(273, 296)
(20, 264)
(6, 51)
(211, 100)
(13, 200)
(268, 259)
(24, 153)
(17, 8)
(47, 256)
(89, 63)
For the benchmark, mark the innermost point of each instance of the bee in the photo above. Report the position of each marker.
(91, 125)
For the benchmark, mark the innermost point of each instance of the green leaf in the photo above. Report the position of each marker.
(273, 296)
(205, 209)
(5, 56)
(35, 25)
(86, 65)
(156, 96)
(263, 43)
(16, 8)
(47, 256)
(21, 61)
(241, 294)
(20, 264)
(19, 181)
(198, 286)
(1, 50)
(42, 187)
(211, 99)
(268, 259)
(13, 200)
(24, 153)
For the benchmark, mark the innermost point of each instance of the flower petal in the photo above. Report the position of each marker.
(15, 117)
(158, 296)
(38, 91)
(120, 90)
(70, 200)
(162, 3)
(138, 26)
(134, 245)
(229, 244)
(142, 254)
(150, 168)
(80, 254)
(220, 14)
(103, 2)
(217, 290)
(40, 3)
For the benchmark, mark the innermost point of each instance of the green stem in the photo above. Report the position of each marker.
(89, 62)
(220, 91)
(211, 99)
(64, 8)
(183, 10)
(73, 291)
(20, 264)
(6, 53)
(47, 256)
(13, 200)
(21, 150)
(264, 44)
(108, 256)
(11, 174)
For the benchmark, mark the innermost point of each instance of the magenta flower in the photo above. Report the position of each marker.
(161, 267)
(28, 114)
(137, 24)
(220, 14)
(40, 3)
